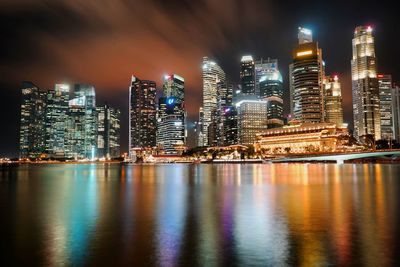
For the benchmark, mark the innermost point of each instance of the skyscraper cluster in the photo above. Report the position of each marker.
(65, 123)
(375, 97)
(157, 124)
(257, 102)
(234, 114)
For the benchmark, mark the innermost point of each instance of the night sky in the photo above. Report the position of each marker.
(104, 42)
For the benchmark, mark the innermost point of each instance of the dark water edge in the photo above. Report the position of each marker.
(200, 215)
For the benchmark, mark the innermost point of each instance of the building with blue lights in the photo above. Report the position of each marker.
(171, 116)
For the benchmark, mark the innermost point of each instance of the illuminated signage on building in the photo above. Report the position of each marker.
(304, 53)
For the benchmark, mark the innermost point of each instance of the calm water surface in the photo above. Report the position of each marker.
(200, 215)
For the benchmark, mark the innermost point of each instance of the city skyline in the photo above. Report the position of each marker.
(285, 36)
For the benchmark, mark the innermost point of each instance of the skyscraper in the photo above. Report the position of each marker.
(212, 75)
(142, 114)
(262, 68)
(396, 112)
(333, 100)
(31, 137)
(199, 129)
(386, 112)
(306, 80)
(82, 123)
(365, 85)
(108, 138)
(230, 126)
(224, 102)
(271, 90)
(56, 121)
(171, 117)
(248, 76)
(251, 119)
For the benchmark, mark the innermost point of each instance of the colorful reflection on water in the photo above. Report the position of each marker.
(200, 215)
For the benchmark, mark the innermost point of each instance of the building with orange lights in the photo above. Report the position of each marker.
(303, 138)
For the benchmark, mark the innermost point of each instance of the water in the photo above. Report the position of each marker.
(200, 215)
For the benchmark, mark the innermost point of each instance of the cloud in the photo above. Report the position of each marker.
(104, 42)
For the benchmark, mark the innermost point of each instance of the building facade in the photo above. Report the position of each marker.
(56, 121)
(212, 75)
(81, 139)
(142, 114)
(365, 88)
(264, 67)
(251, 119)
(385, 104)
(171, 117)
(271, 90)
(247, 76)
(224, 102)
(303, 138)
(396, 112)
(108, 137)
(199, 129)
(306, 80)
(333, 100)
(32, 127)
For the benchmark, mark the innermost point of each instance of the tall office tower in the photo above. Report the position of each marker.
(199, 128)
(248, 76)
(306, 80)
(56, 121)
(271, 90)
(212, 75)
(396, 112)
(82, 123)
(333, 100)
(262, 68)
(251, 119)
(386, 112)
(31, 135)
(108, 138)
(365, 85)
(212, 130)
(230, 126)
(171, 117)
(224, 100)
(142, 114)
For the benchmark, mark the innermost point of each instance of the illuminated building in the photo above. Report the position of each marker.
(224, 104)
(303, 138)
(108, 138)
(365, 86)
(385, 104)
(142, 114)
(81, 141)
(251, 119)
(212, 75)
(264, 67)
(56, 121)
(212, 129)
(333, 100)
(271, 90)
(229, 126)
(396, 112)
(306, 80)
(171, 117)
(199, 128)
(247, 76)
(31, 135)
